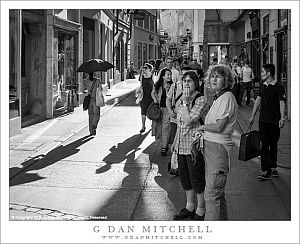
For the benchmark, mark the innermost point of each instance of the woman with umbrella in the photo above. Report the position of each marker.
(90, 85)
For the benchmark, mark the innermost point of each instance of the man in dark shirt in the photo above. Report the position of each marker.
(271, 100)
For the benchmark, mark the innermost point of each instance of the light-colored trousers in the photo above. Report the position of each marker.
(94, 115)
(216, 169)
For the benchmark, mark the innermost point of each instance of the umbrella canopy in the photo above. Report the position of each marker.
(94, 65)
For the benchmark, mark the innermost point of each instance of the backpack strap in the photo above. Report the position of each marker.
(177, 98)
(194, 100)
(174, 94)
(193, 104)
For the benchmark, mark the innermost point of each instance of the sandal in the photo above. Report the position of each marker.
(163, 151)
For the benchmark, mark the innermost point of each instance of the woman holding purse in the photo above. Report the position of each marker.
(161, 127)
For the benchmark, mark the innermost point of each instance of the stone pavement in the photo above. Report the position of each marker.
(37, 140)
(281, 185)
(55, 169)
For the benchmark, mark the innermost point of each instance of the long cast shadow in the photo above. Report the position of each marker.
(20, 175)
(123, 151)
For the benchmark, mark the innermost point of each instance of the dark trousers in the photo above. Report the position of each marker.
(192, 175)
(269, 136)
(245, 86)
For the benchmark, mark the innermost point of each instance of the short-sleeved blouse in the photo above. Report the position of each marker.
(224, 106)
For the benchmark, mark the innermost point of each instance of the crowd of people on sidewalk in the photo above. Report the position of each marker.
(197, 114)
(194, 122)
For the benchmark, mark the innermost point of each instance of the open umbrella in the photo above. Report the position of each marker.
(94, 65)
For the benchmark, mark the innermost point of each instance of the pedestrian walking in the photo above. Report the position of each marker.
(175, 72)
(246, 82)
(157, 65)
(161, 127)
(89, 86)
(200, 75)
(152, 62)
(172, 103)
(146, 88)
(131, 71)
(191, 171)
(162, 64)
(271, 101)
(218, 144)
(236, 70)
(194, 64)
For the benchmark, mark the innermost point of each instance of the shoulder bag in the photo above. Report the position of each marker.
(154, 112)
(99, 97)
(249, 145)
(86, 101)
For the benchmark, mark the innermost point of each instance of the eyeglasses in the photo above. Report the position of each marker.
(188, 81)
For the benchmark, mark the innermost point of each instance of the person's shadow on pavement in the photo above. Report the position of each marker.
(20, 174)
(171, 184)
(123, 151)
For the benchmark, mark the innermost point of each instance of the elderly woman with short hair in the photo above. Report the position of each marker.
(218, 144)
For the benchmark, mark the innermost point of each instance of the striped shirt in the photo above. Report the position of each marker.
(184, 133)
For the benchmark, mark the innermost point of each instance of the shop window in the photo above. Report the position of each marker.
(23, 50)
(64, 70)
(14, 64)
(218, 52)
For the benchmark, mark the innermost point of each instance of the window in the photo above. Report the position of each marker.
(140, 23)
(14, 63)
(144, 52)
(139, 54)
(146, 21)
(152, 23)
(266, 24)
(282, 17)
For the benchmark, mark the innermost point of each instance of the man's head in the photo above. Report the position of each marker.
(268, 70)
(184, 69)
(147, 68)
(169, 62)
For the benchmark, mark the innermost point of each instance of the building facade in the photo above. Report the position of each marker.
(46, 48)
(264, 36)
(144, 41)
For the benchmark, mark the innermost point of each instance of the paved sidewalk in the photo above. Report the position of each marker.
(65, 184)
(282, 185)
(284, 144)
(37, 140)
